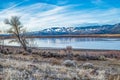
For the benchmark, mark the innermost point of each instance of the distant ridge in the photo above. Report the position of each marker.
(68, 31)
(97, 29)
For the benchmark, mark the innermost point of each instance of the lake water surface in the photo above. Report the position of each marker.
(79, 43)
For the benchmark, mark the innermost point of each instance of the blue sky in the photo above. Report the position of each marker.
(40, 14)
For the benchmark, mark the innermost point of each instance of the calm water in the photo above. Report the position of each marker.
(81, 43)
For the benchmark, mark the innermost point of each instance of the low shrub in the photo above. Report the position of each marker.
(70, 63)
(87, 65)
(55, 61)
(102, 58)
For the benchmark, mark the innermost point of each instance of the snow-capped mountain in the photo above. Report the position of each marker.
(97, 29)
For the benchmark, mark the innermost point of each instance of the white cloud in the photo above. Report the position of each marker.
(62, 2)
(41, 15)
(97, 2)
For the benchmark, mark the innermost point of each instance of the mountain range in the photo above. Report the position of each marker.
(92, 29)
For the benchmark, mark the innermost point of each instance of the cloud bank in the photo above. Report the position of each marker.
(38, 16)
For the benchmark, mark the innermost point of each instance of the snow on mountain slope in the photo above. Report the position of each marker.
(102, 29)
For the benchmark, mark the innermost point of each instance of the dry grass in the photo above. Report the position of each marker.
(24, 68)
(114, 77)
(48, 65)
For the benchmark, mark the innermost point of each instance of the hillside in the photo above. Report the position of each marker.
(100, 29)
(93, 31)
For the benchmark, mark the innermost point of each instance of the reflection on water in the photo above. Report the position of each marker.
(71, 40)
(83, 43)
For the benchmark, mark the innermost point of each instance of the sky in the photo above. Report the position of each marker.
(40, 14)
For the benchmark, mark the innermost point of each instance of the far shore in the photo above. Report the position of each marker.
(80, 36)
(71, 36)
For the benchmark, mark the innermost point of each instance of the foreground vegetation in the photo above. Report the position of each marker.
(67, 64)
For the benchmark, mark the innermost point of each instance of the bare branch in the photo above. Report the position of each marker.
(17, 30)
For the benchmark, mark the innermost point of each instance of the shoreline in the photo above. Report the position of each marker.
(80, 36)
(70, 36)
(52, 48)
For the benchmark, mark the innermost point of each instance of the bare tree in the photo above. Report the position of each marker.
(1, 42)
(17, 31)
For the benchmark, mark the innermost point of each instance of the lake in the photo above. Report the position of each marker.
(78, 43)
